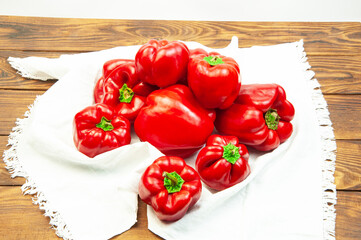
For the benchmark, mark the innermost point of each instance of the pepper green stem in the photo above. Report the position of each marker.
(105, 124)
(272, 119)
(171, 177)
(172, 182)
(213, 60)
(231, 153)
(125, 94)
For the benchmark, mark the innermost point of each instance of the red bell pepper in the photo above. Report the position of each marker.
(260, 117)
(98, 128)
(98, 90)
(171, 187)
(223, 162)
(112, 64)
(174, 122)
(108, 67)
(197, 51)
(122, 89)
(214, 79)
(162, 63)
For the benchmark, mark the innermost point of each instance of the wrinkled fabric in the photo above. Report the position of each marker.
(97, 198)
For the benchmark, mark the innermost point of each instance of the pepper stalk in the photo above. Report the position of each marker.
(105, 124)
(172, 182)
(125, 94)
(213, 60)
(272, 119)
(231, 153)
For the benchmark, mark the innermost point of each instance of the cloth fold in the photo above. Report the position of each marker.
(283, 198)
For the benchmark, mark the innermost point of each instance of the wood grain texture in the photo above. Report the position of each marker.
(348, 165)
(15, 103)
(348, 220)
(336, 74)
(20, 219)
(64, 34)
(5, 177)
(345, 115)
(10, 79)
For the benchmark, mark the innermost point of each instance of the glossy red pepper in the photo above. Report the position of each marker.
(171, 187)
(197, 51)
(260, 117)
(162, 63)
(122, 89)
(223, 162)
(98, 90)
(174, 122)
(112, 64)
(214, 79)
(98, 128)
(108, 67)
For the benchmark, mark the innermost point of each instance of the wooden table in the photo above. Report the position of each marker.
(334, 51)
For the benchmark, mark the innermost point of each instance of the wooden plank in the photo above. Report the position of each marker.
(347, 175)
(337, 74)
(15, 103)
(348, 165)
(10, 79)
(348, 220)
(345, 115)
(64, 34)
(5, 178)
(20, 219)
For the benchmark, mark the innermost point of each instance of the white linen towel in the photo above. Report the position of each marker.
(284, 198)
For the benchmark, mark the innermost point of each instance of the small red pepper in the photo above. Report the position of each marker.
(174, 122)
(162, 63)
(108, 67)
(197, 51)
(171, 187)
(260, 117)
(112, 64)
(214, 79)
(122, 89)
(98, 90)
(223, 162)
(98, 128)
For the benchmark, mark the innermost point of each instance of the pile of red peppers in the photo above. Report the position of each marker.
(175, 98)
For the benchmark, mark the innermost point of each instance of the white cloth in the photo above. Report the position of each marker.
(284, 197)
